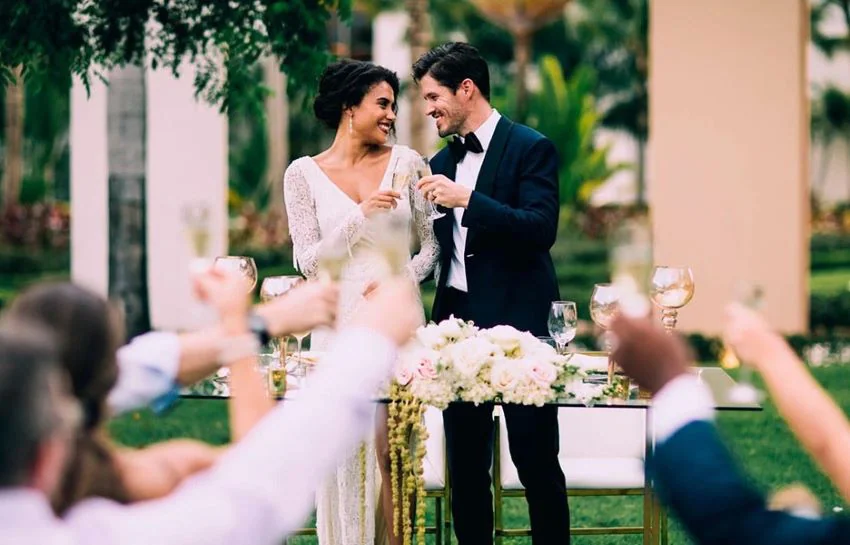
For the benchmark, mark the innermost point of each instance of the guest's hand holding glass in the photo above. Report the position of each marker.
(748, 334)
(240, 265)
(563, 323)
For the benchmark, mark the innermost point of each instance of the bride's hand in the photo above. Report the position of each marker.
(380, 201)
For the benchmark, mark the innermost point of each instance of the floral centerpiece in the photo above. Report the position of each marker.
(457, 361)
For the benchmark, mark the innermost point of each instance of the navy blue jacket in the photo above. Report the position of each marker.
(513, 221)
(697, 478)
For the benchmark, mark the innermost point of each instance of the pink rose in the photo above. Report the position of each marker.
(426, 369)
(542, 373)
(403, 375)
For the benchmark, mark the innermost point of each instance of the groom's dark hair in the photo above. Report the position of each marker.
(452, 63)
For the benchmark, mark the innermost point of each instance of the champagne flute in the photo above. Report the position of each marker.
(751, 296)
(672, 288)
(630, 257)
(604, 307)
(423, 168)
(196, 217)
(241, 265)
(272, 288)
(332, 260)
(563, 323)
(390, 239)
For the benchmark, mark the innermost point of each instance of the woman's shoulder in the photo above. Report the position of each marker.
(298, 168)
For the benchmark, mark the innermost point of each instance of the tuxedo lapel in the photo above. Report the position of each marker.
(490, 166)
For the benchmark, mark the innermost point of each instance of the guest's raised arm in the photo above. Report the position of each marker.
(819, 424)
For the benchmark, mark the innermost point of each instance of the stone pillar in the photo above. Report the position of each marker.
(186, 162)
(89, 182)
(391, 50)
(729, 124)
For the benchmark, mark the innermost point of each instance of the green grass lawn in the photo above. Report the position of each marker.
(829, 282)
(761, 441)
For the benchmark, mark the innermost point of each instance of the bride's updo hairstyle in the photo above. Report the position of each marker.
(344, 84)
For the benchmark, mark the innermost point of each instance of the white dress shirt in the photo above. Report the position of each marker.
(683, 400)
(467, 175)
(147, 373)
(261, 489)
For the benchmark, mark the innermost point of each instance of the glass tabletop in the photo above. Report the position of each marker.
(717, 379)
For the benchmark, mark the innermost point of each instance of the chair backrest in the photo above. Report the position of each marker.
(435, 449)
(602, 432)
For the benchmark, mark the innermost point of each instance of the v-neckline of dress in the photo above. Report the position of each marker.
(381, 185)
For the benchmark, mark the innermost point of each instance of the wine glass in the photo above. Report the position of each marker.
(563, 323)
(389, 235)
(423, 168)
(196, 216)
(241, 265)
(272, 288)
(751, 296)
(671, 289)
(604, 307)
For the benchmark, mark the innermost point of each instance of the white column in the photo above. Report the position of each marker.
(729, 124)
(89, 179)
(391, 50)
(187, 163)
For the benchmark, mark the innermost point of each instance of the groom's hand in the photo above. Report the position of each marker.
(440, 190)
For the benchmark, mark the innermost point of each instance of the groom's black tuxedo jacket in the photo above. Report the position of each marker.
(513, 221)
(697, 478)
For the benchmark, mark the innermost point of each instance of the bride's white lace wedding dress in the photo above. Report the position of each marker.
(321, 214)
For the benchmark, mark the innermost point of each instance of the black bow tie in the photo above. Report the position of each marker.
(459, 147)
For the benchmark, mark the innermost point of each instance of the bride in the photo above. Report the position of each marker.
(330, 200)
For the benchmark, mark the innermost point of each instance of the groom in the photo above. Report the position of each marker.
(498, 182)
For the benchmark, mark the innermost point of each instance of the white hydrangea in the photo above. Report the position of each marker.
(470, 355)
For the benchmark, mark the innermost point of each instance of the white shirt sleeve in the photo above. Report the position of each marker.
(147, 371)
(262, 489)
(682, 401)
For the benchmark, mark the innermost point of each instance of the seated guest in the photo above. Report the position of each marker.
(154, 366)
(693, 472)
(812, 415)
(259, 491)
(87, 337)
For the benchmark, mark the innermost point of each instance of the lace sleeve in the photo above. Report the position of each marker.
(424, 261)
(304, 227)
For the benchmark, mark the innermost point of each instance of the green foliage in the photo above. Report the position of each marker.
(615, 37)
(565, 111)
(829, 44)
(93, 36)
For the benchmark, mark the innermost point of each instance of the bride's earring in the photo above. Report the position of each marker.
(351, 124)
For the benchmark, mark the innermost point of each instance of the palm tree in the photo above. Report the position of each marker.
(521, 18)
(126, 155)
(615, 36)
(420, 35)
(13, 166)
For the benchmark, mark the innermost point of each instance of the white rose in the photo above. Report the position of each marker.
(469, 355)
(505, 337)
(451, 328)
(431, 337)
(541, 373)
(504, 376)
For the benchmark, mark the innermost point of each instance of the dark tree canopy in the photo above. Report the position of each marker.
(92, 36)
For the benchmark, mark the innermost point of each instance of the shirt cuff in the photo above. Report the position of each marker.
(682, 401)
